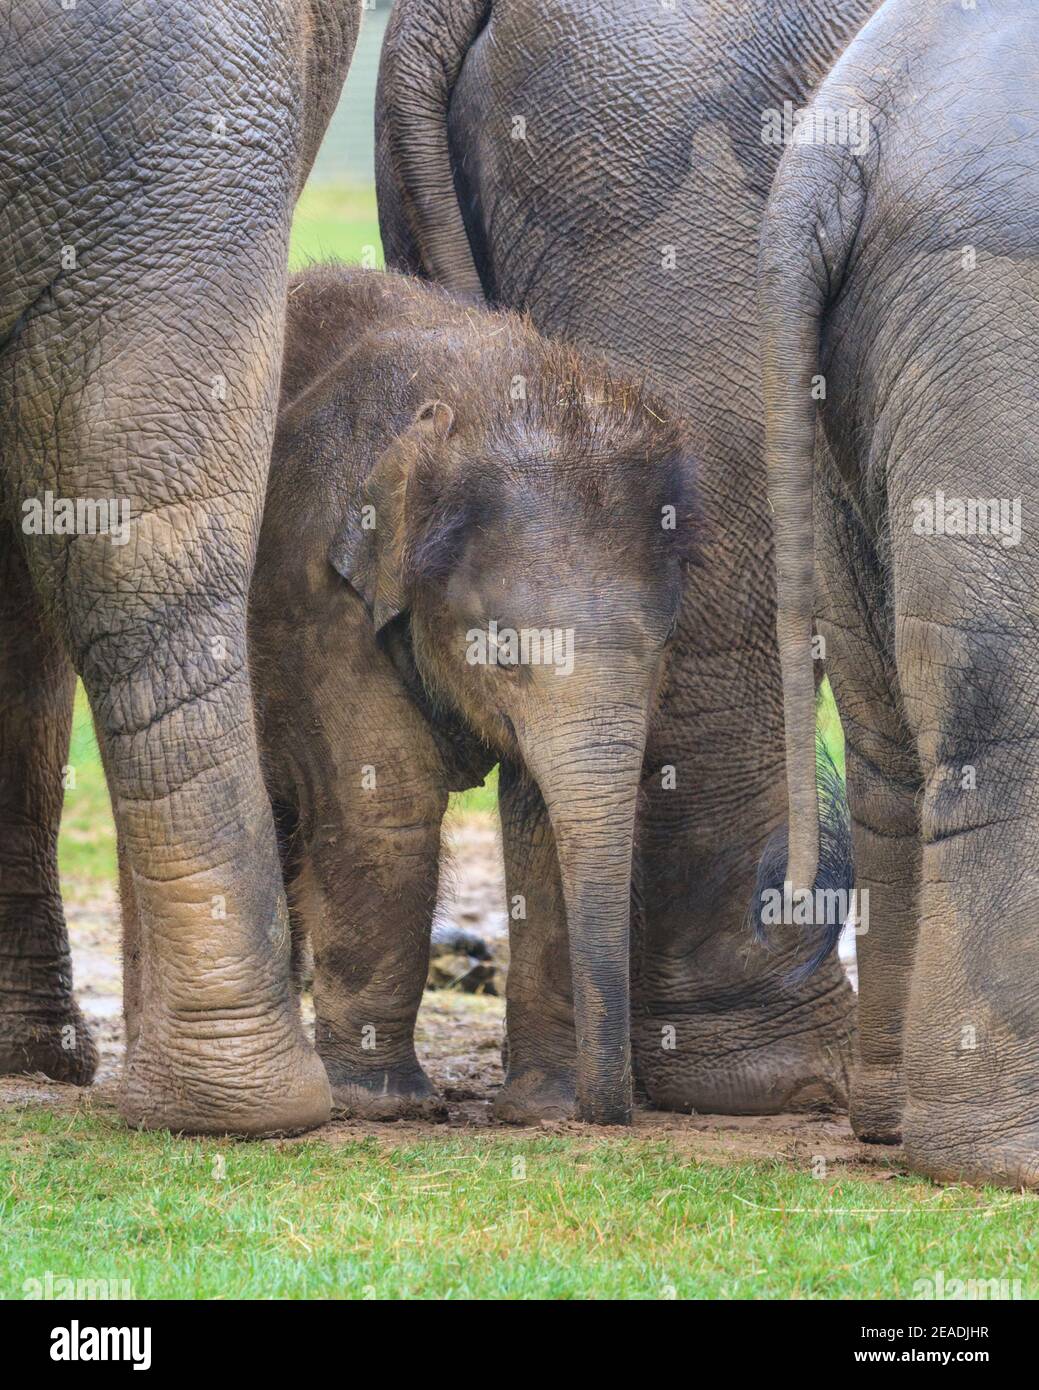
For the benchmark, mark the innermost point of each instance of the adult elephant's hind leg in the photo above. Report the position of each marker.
(972, 1036)
(884, 784)
(886, 835)
(972, 1031)
(41, 1028)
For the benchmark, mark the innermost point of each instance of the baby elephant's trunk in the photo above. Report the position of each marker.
(590, 786)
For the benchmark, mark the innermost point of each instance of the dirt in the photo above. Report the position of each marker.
(459, 1043)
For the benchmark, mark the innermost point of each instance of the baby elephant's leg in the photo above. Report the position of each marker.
(369, 844)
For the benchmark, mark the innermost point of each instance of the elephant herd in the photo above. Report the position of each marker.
(712, 370)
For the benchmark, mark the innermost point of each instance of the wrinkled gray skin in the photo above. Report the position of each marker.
(406, 464)
(909, 276)
(627, 218)
(164, 145)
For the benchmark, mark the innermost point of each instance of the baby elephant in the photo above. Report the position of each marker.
(472, 552)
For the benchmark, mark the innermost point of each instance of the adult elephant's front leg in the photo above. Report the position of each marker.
(166, 406)
(540, 1082)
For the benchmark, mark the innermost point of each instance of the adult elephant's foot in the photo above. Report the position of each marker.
(808, 1073)
(949, 1144)
(535, 1096)
(245, 1074)
(218, 1045)
(400, 1092)
(877, 1101)
(54, 1041)
(766, 1051)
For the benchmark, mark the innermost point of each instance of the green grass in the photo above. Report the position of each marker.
(828, 725)
(338, 222)
(86, 846)
(502, 1216)
(482, 800)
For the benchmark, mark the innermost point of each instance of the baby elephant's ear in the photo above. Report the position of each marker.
(366, 550)
(435, 418)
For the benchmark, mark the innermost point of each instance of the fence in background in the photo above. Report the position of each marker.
(347, 154)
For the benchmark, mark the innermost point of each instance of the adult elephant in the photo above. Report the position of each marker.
(904, 272)
(604, 165)
(150, 158)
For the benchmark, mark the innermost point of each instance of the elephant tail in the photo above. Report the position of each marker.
(822, 915)
(808, 232)
(420, 220)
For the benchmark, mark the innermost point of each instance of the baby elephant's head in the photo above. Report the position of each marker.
(536, 537)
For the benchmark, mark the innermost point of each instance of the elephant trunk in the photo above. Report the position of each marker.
(591, 790)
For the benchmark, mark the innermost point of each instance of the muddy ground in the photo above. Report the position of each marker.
(459, 1040)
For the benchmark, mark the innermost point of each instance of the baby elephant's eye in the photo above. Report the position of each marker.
(507, 666)
(499, 654)
(507, 656)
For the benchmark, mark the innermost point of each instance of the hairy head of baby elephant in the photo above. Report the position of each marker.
(473, 551)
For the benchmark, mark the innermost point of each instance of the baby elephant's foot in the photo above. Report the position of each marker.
(402, 1092)
(535, 1096)
(56, 1043)
(877, 1097)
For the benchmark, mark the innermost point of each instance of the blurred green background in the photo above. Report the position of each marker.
(336, 216)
